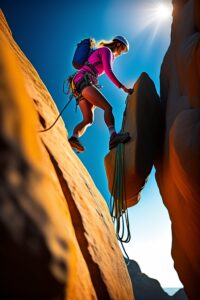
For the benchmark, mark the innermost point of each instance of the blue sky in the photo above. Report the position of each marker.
(47, 32)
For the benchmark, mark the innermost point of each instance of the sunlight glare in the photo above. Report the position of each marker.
(162, 11)
(153, 18)
(156, 17)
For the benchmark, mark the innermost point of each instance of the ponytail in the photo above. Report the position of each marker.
(103, 43)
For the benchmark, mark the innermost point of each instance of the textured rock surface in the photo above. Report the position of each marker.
(146, 288)
(180, 295)
(57, 237)
(178, 170)
(178, 160)
(142, 119)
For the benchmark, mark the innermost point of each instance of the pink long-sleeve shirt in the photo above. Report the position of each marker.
(105, 58)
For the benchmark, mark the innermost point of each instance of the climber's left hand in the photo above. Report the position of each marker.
(126, 90)
(130, 91)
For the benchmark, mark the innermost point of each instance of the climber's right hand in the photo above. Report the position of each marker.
(131, 91)
(128, 91)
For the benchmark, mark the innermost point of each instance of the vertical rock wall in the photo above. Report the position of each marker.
(178, 169)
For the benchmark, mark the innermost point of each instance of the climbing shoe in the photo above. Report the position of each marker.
(117, 138)
(76, 144)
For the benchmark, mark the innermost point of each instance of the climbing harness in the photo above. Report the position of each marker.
(118, 205)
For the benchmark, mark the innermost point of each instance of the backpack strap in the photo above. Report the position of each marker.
(97, 62)
(92, 66)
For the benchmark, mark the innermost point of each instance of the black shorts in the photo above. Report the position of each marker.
(86, 80)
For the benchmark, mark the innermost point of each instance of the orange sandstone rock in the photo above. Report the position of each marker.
(39, 251)
(57, 236)
(141, 120)
(178, 169)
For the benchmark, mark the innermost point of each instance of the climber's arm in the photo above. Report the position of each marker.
(106, 56)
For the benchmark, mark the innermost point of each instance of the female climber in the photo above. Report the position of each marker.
(85, 85)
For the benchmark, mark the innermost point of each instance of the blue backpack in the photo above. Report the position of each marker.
(82, 53)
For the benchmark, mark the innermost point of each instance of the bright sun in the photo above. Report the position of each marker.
(162, 11)
(155, 16)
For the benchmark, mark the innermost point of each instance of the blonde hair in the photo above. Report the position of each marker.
(103, 43)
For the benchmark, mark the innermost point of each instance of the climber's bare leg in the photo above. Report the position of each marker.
(95, 97)
(87, 110)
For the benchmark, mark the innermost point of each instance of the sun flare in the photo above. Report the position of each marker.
(154, 17)
(162, 11)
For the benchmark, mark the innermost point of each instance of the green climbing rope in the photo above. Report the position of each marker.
(118, 205)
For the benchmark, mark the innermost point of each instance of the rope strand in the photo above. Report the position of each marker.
(70, 98)
(118, 206)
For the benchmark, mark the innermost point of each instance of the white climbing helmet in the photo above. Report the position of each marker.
(123, 40)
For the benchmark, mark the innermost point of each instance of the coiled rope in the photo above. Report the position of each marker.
(118, 205)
